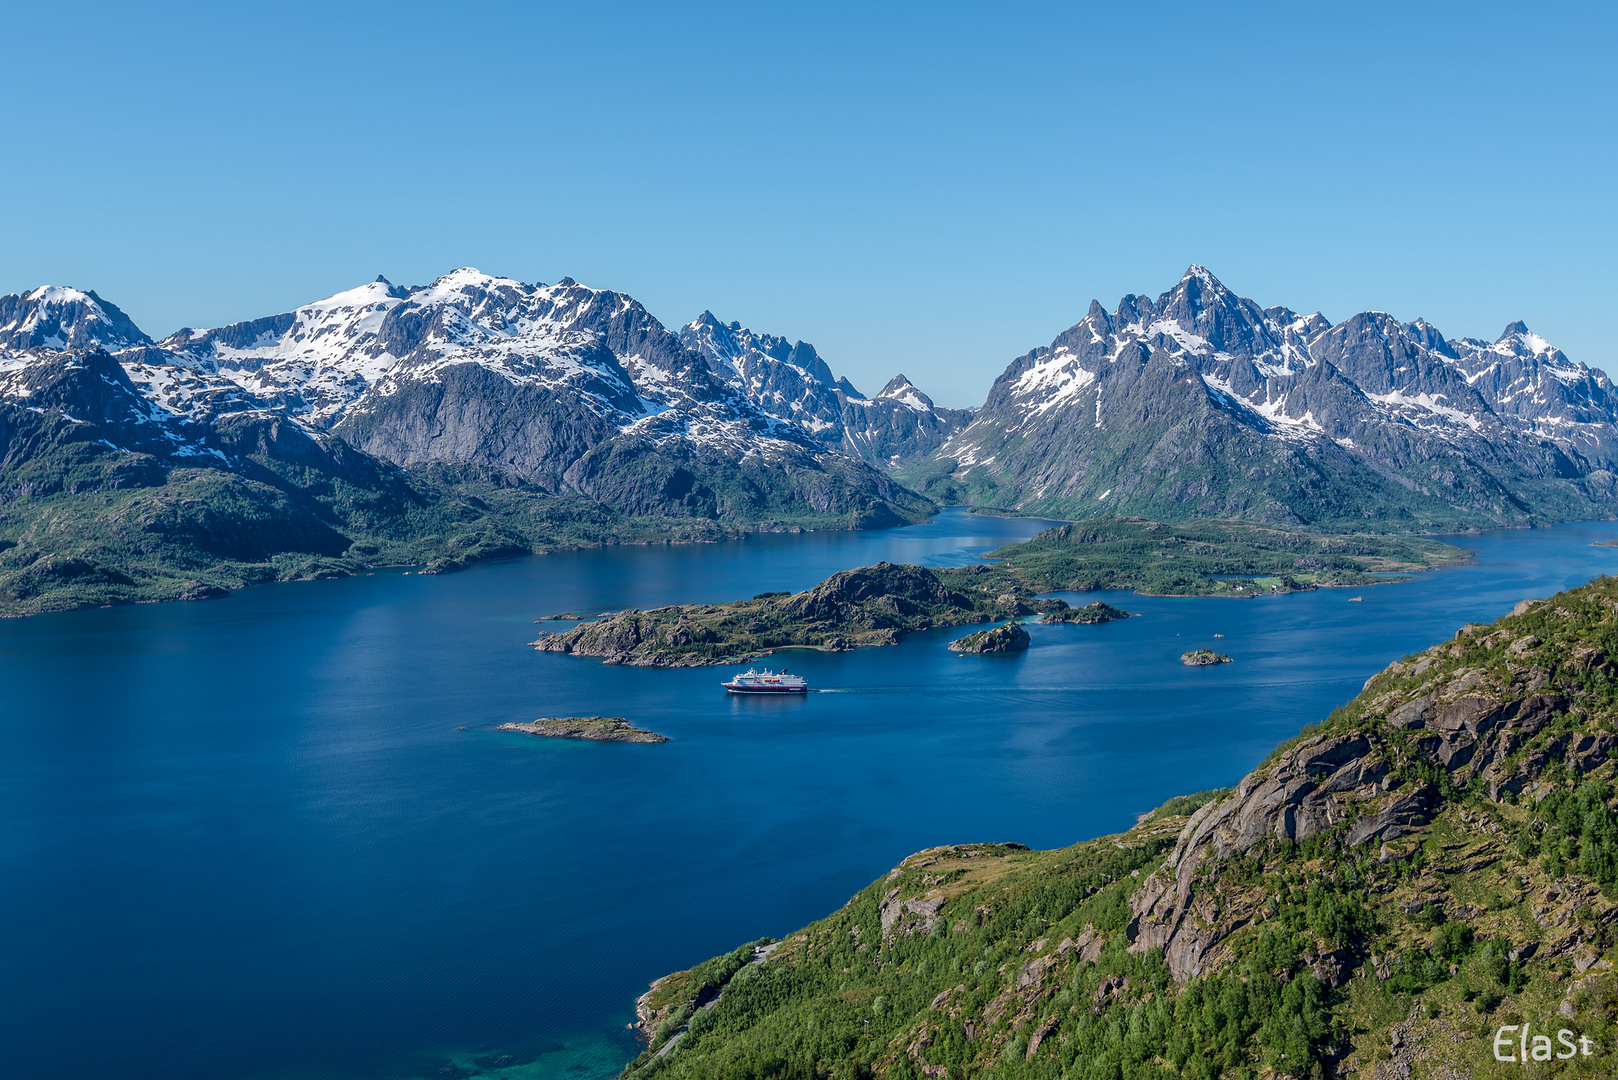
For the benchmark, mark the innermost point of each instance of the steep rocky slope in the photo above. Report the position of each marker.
(573, 390)
(791, 381)
(1435, 861)
(108, 497)
(1203, 403)
(472, 417)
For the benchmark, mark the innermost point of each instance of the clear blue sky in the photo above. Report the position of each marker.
(929, 188)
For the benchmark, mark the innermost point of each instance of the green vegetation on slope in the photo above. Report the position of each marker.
(84, 525)
(201, 532)
(1090, 614)
(1374, 944)
(1211, 558)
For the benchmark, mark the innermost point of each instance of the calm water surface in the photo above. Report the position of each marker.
(276, 835)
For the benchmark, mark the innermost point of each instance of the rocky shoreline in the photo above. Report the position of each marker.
(592, 728)
(1203, 658)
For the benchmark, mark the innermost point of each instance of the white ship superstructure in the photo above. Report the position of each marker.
(767, 682)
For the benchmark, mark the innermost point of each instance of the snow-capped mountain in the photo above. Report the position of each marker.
(570, 388)
(791, 381)
(59, 318)
(1203, 402)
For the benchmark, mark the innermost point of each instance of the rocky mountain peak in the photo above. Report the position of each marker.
(61, 318)
(904, 391)
(1368, 405)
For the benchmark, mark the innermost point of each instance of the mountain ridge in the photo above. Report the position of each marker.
(1203, 403)
(472, 417)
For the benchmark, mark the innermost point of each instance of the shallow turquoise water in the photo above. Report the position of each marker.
(249, 837)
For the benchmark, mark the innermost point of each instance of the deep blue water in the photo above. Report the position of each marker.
(276, 835)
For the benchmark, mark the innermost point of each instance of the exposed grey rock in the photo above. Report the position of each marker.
(1202, 403)
(574, 390)
(791, 381)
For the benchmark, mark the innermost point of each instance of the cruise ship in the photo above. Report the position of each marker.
(767, 682)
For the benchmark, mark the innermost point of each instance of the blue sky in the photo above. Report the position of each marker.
(930, 188)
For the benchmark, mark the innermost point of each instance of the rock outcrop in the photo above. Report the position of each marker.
(1000, 639)
(1475, 713)
(591, 728)
(870, 605)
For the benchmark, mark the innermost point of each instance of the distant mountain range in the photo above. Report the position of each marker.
(478, 416)
(471, 417)
(1202, 403)
(572, 389)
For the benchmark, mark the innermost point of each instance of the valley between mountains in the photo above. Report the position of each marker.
(480, 417)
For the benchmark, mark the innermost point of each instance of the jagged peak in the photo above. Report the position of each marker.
(905, 392)
(62, 317)
(1519, 334)
(1198, 272)
(707, 318)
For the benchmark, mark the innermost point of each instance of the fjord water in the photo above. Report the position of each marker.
(277, 835)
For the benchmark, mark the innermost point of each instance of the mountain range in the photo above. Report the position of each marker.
(478, 416)
(1202, 403)
(471, 417)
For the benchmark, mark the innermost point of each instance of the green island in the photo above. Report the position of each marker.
(998, 639)
(878, 605)
(1434, 860)
(1203, 658)
(1089, 615)
(593, 728)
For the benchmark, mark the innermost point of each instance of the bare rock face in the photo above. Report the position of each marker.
(1480, 724)
(1317, 784)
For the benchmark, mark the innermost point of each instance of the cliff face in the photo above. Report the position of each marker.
(1495, 712)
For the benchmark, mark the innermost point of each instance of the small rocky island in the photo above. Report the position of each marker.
(1089, 614)
(1203, 658)
(594, 728)
(999, 639)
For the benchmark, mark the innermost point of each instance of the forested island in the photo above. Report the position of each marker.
(878, 605)
(1435, 859)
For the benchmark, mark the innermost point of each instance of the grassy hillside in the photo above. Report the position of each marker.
(1436, 859)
